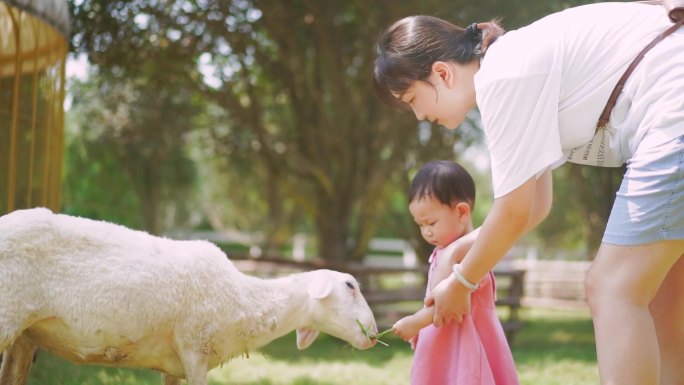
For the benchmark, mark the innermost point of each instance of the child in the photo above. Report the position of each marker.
(475, 351)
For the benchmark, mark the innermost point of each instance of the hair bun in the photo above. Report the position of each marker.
(473, 32)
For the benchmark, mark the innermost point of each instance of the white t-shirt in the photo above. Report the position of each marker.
(541, 88)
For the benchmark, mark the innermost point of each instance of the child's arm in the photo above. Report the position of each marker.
(408, 327)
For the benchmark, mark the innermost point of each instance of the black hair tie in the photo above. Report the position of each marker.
(473, 32)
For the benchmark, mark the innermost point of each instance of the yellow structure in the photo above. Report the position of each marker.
(34, 37)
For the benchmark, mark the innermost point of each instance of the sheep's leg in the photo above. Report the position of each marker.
(170, 380)
(195, 364)
(7, 334)
(16, 362)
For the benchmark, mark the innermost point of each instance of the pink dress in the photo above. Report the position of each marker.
(474, 352)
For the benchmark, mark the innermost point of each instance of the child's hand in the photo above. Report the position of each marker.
(407, 328)
(414, 342)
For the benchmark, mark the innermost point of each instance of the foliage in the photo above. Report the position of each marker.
(93, 186)
(126, 150)
(587, 195)
(298, 91)
(286, 129)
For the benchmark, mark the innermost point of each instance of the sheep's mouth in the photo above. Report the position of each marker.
(366, 330)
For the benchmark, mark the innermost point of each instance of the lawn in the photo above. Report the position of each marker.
(553, 348)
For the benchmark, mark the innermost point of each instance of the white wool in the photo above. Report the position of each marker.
(96, 292)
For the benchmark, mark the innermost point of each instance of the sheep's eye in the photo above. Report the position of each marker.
(350, 285)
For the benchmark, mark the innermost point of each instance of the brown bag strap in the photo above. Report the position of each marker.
(605, 115)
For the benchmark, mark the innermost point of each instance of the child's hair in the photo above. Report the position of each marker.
(409, 47)
(444, 180)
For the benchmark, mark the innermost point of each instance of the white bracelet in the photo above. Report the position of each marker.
(457, 273)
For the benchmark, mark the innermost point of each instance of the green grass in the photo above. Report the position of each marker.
(554, 347)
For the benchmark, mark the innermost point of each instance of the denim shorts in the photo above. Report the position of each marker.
(649, 206)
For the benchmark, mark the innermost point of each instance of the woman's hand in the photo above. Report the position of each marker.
(446, 310)
(451, 300)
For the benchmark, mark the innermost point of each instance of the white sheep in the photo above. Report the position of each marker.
(96, 292)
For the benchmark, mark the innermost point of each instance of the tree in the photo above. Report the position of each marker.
(140, 102)
(586, 196)
(293, 110)
(284, 89)
(295, 79)
(130, 131)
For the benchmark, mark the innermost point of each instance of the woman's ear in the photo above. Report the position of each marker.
(444, 72)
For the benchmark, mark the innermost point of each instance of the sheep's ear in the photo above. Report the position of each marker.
(319, 288)
(305, 337)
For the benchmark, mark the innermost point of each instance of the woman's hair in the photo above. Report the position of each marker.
(446, 181)
(409, 47)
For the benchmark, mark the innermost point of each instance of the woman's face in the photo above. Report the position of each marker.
(447, 95)
(440, 224)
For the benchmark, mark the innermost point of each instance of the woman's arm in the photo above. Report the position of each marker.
(511, 216)
(543, 200)
(461, 246)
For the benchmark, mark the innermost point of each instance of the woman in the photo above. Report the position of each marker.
(540, 91)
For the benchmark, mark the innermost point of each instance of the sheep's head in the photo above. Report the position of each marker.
(337, 308)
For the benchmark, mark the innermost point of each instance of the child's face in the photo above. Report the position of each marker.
(440, 224)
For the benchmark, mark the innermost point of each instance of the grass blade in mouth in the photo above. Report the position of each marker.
(374, 337)
(363, 329)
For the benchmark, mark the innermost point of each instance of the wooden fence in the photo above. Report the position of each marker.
(393, 281)
(394, 292)
(554, 284)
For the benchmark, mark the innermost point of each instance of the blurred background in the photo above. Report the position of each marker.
(257, 117)
(253, 123)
